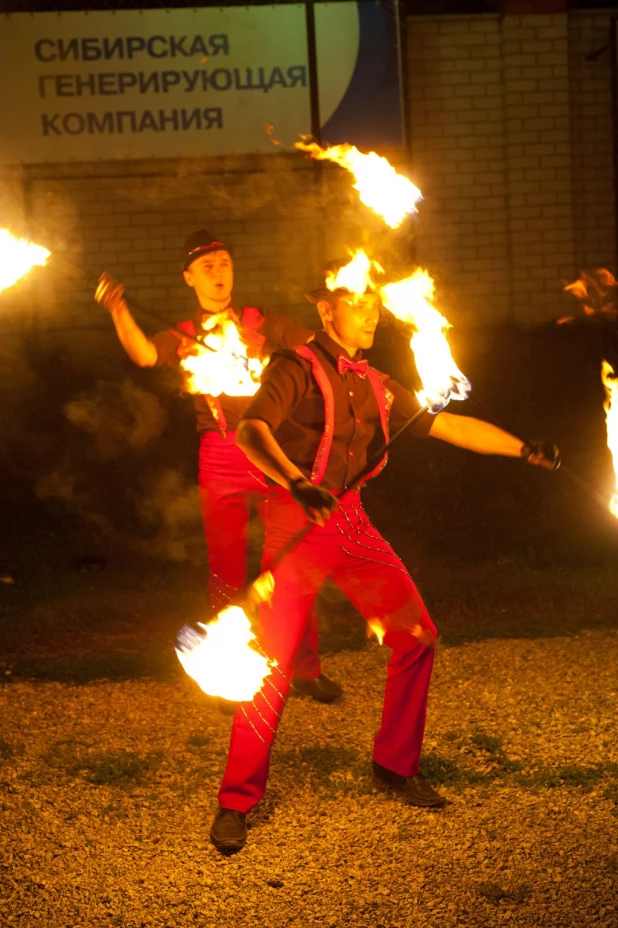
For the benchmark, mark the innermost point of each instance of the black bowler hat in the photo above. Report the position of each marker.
(200, 243)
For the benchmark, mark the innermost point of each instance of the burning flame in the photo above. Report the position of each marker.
(17, 257)
(354, 276)
(610, 382)
(376, 628)
(380, 187)
(224, 366)
(221, 659)
(411, 301)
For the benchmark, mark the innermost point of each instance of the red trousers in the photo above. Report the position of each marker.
(362, 564)
(230, 487)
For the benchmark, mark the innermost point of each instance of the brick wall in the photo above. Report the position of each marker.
(511, 144)
(594, 216)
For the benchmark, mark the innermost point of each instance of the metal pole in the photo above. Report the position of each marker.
(312, 66)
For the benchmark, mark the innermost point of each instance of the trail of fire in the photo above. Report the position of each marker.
(17, 257)
(411, 300)
(380, 187)
(610, 382)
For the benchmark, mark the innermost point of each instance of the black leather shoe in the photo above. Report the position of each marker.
(321, 688)
(415, 790)
(228, 832)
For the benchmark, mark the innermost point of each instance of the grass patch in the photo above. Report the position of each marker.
(442, 771)
(494, 892)
(328, 767)
(119, 768)
(585, 778)
(91, 667)
(6, 749)
(488, 743)
(198, 741)
(104, 768)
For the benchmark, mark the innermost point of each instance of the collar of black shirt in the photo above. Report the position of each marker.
(333, 349)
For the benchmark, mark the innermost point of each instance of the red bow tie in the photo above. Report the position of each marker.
(357, 367)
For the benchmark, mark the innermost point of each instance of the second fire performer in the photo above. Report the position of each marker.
(229, 484)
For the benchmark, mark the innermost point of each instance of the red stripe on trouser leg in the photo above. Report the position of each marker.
(350, 550)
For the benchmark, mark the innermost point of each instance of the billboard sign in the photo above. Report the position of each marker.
(192, 82)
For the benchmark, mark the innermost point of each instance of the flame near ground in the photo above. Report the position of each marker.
(220, 658)
(224, 658)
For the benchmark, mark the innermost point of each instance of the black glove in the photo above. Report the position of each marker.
(542, 453)
(316, 502)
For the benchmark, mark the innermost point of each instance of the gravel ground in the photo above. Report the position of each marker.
(108, 790)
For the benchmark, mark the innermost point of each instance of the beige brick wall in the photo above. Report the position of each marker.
(538, 162)
(458, 150)
(591, 134)
(132, 218)
(512, 146)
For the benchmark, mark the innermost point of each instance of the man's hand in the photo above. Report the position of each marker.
(316, 502)
(542, 453)
(110, 293)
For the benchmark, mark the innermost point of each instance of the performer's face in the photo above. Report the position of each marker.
(352, 322)
(212, 276)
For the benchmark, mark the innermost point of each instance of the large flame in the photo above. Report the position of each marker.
(380, 187)
(17, 257)
(411, 301)
(356, 275)
(221, 658)
(610, 382)
(224, 366)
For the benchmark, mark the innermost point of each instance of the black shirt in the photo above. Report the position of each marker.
(292, 404)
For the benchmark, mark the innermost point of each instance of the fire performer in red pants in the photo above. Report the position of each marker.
(320, 413)
(230, 486)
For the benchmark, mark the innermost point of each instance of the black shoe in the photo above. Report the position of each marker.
(228, 832)
(415, 790)
(321, 688)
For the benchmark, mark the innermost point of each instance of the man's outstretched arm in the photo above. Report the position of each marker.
(485, 438)
(138, 346)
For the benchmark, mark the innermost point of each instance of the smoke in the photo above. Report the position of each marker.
(111, 471)
(119, 417)
(171, 509)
